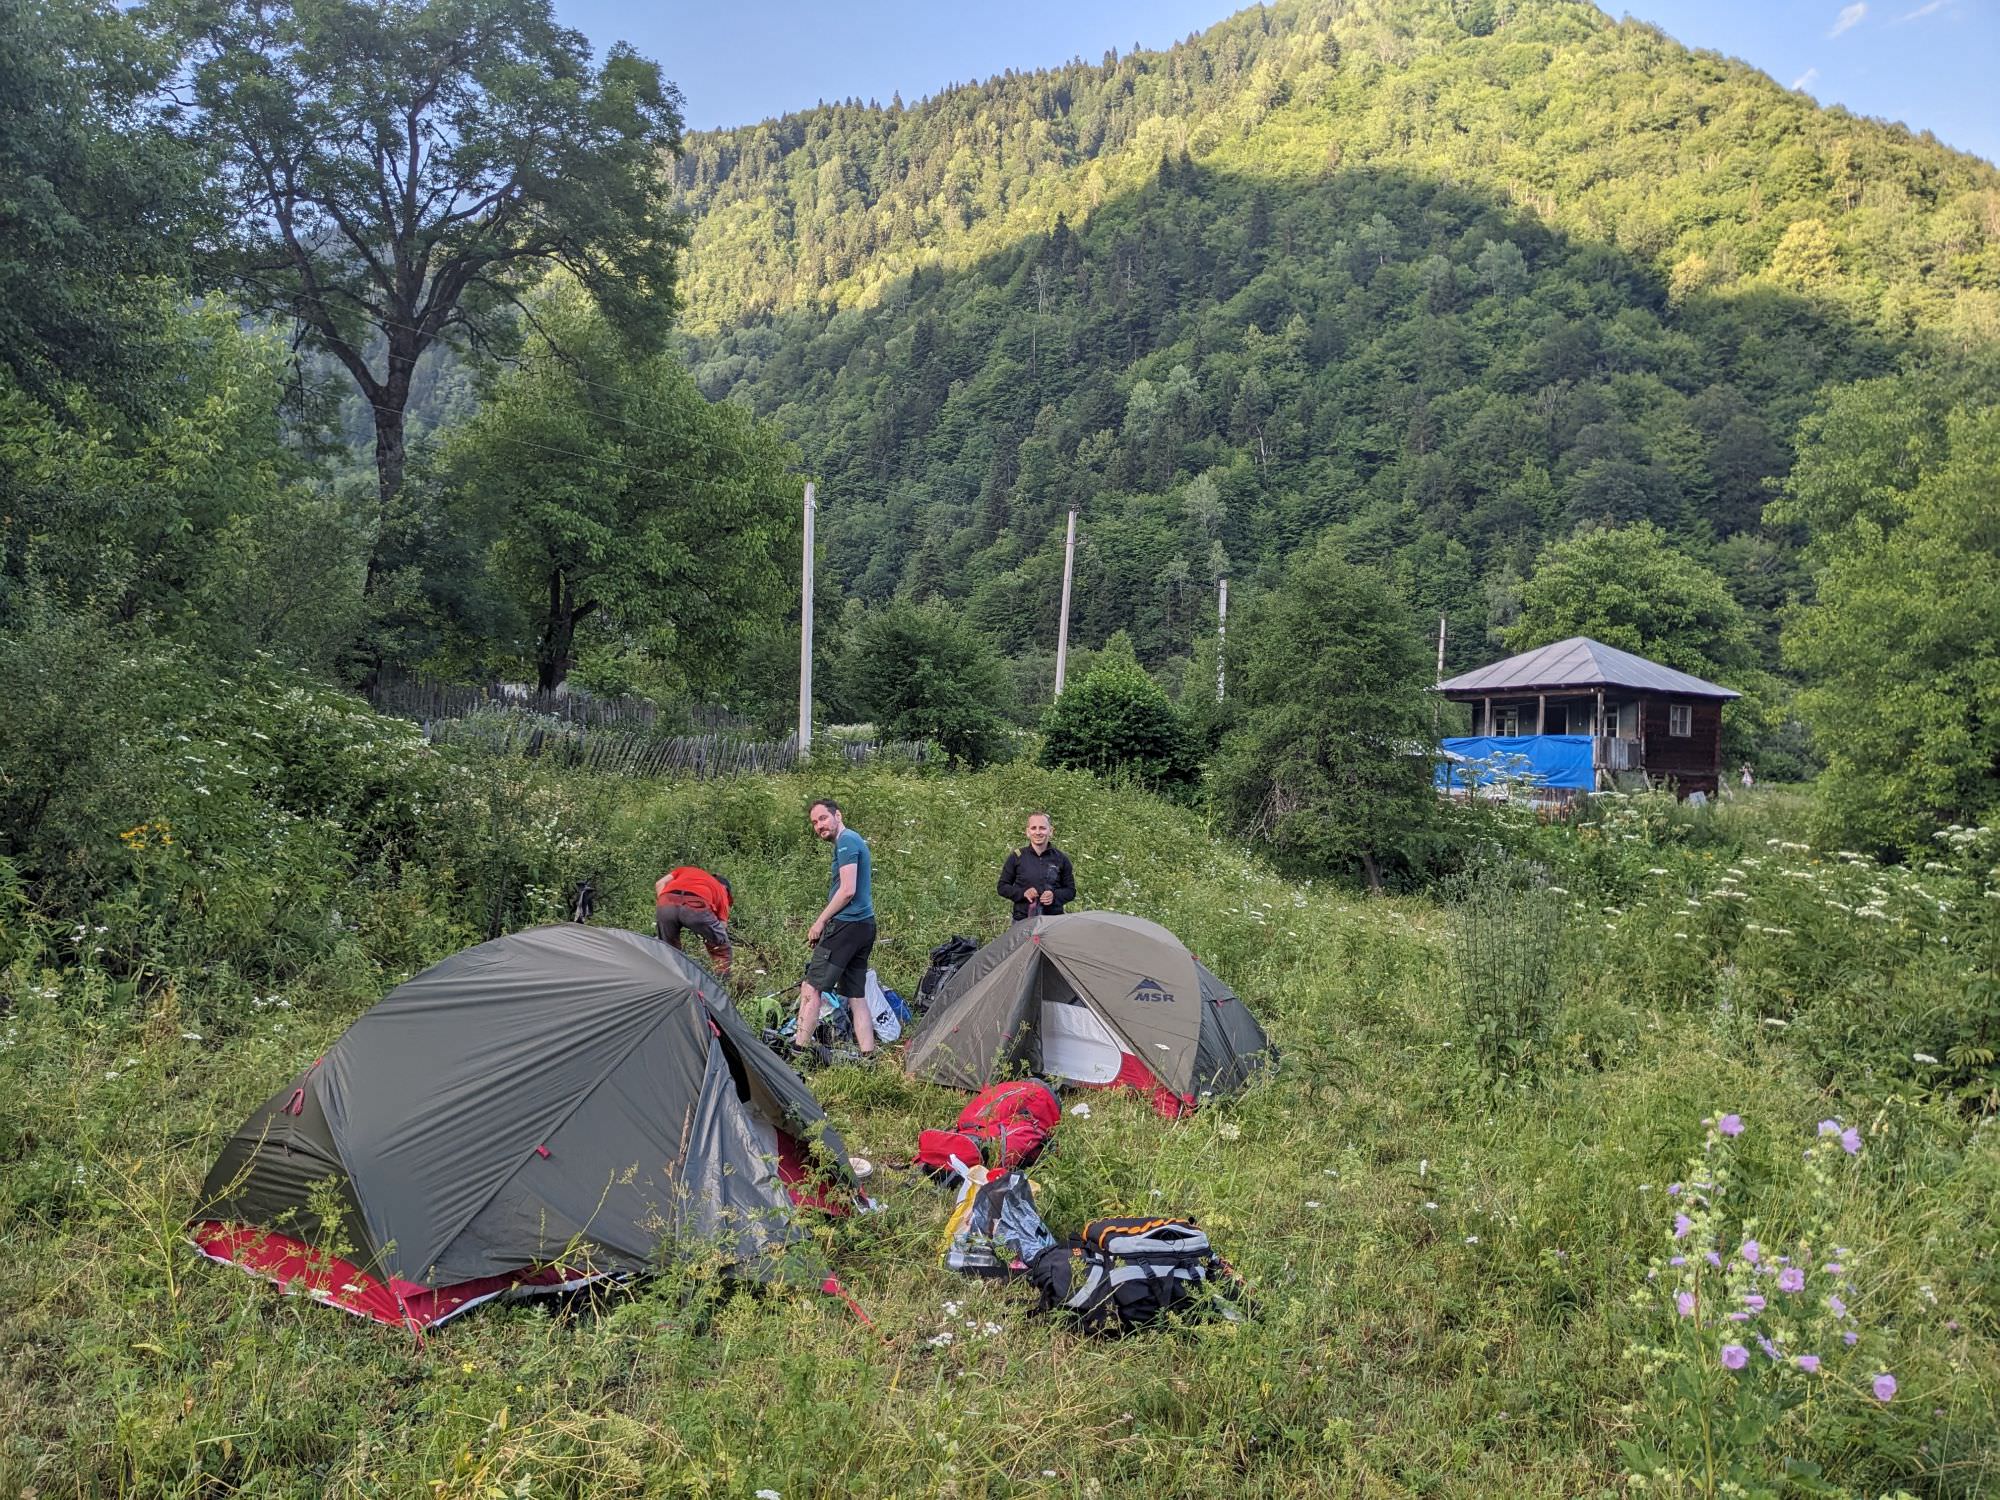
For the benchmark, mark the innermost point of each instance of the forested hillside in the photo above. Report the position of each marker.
(1452, 278)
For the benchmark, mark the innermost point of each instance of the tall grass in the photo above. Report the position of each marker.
(1444, 1273)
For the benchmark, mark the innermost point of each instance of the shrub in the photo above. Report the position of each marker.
(1118, 720)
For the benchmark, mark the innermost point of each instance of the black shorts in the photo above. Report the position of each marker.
(839, 963)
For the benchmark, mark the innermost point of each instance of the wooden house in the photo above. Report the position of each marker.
(1640, 716)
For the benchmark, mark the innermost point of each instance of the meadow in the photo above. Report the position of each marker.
(1476, 1202)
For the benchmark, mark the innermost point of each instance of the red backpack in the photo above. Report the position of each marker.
(1006, 1125)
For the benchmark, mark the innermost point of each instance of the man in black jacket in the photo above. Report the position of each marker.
(1038, 879)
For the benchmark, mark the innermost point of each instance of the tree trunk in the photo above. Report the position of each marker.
(389, 402)
(1373, 870)
(555, 653)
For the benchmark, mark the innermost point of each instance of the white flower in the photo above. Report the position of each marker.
(1923, 1057)
(1229, 1130)
(769, 1495)
(1430, 1204)
(1472, 1239)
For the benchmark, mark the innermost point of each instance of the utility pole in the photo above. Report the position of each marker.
(1440, 676)
(1221, 631)
(1062, 629)
(806, 632)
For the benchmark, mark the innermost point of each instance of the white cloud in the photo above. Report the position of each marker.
(1805, 79)
(1849, 17)
(1923, 10)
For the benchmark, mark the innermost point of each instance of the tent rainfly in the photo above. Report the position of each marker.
(1095, 998)
(528, 1116)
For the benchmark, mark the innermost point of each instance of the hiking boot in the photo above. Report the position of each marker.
(807, 1059)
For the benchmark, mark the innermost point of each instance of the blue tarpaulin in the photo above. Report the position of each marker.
(1554, 760)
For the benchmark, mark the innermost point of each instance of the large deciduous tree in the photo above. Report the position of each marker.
(1901, 650)
(400, 172)
(1632, 588)
(1331, 766)
(612, 502)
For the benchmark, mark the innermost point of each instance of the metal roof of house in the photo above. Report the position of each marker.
(1580, 662)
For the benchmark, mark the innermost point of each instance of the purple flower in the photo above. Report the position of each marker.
(1677, 1260)
(1750, 1252)
(1838, 1307)
(1808, 1362)
(1739, 1317)
(1850, 1141)
(1754, 1302)
(1850, 1338)
(1791, 1279)
(1715, 1260)
(1685, 1302)
(1829, 1127)
(1884, 1386)
(1730, 1124)
(1673, 1190)
(1735, 1357)
(1682, 1224)
(1833, 1268)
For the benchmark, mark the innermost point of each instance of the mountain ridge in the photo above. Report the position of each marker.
(1454, 279)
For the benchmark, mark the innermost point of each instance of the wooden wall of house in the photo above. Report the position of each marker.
(1693, 762)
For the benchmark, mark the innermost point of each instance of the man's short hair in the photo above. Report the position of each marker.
(826, 802)
(1043, 816)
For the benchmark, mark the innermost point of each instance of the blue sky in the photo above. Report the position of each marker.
(1926, 63)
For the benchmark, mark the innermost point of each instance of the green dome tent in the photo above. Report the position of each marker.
(1095, 998)
(538, 1112)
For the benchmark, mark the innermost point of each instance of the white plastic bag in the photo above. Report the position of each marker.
(887, 1026)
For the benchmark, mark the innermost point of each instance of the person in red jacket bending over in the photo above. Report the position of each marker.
(693, 899)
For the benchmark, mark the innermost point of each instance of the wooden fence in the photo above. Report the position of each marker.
(592, 735)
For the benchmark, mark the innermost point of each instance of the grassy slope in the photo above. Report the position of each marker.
(1473, 1348)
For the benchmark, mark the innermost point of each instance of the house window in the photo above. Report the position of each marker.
(1507, 722)
(1680, 720)
(1611, 720)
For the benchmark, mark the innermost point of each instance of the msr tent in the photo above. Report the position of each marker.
(531, 1115)
(1095, 998)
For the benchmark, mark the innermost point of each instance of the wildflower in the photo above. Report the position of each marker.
(1682, 1224)
(1850, 1141)
(1833, 1268)
(1754, 1302)
(1730, 1125)
(1673, 1190)
(1808, 1362)
(1923, 1057)
(1734, 1356)
(1678, 1260)
(1836, 1306)
(1750, 1252)
(1829, 1127)
(769, 1495)
(1430, 1204)
(1685, 1302)
(1715, 1260)
(1884, 1386)
(1850, 1338)
(1770, 1349)
(1472, 1239)
(1791, 1279)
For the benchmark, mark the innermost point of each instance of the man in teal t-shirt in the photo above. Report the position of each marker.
(842, 935)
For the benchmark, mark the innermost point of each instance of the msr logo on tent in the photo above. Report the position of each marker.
(1152, 992)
